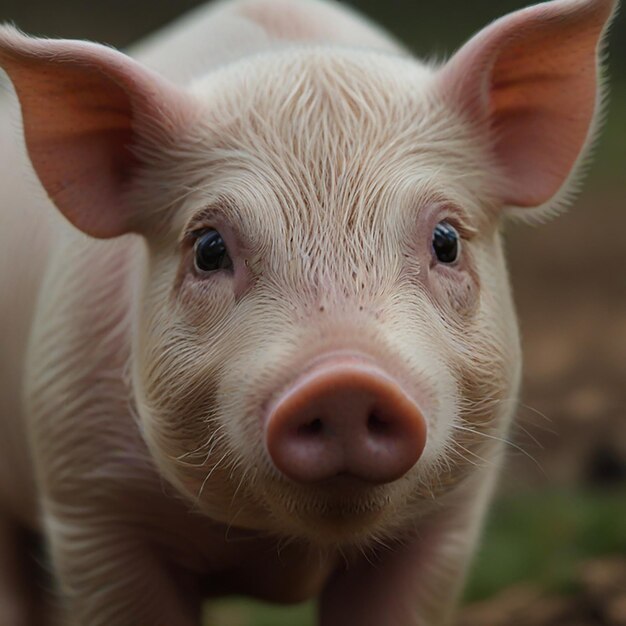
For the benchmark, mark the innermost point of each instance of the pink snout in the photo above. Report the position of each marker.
(346, 417)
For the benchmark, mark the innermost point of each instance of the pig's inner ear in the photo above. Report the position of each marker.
(85, 108)
(531, 79)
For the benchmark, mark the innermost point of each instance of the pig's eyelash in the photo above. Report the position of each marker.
(456, 217)
(209, 217)
(447, 210)
(195, 228)
(189, 237)
(466, 232)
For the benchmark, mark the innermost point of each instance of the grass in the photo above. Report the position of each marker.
(542, 536)
(531, 536)
(247, 613)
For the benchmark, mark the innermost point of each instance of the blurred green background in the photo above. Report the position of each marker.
(568, 503)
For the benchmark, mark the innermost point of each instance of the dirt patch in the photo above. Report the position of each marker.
(569, 285)
(599, 600)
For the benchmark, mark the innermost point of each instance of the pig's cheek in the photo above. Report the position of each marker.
(204, 303)
(174, 382)
(454, 292)
(454, 298)
(442, 418)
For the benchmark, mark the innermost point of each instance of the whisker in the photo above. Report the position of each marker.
(504, 441)
(531, 436)
(241, 481)
(537, 412)
(208, 476)
(482, 462)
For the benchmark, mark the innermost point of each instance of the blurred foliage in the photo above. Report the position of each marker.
(248, 613)
(541, 536)
(429, 28)
(611, 150)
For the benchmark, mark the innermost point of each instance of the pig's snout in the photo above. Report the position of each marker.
(345, 417)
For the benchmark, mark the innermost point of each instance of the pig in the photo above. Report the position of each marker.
(265, 343)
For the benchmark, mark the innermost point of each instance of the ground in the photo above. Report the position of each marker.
(598, 599)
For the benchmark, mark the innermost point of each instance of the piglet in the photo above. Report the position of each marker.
(265, 344)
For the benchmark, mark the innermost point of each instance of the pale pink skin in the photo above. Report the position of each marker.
(132, 394)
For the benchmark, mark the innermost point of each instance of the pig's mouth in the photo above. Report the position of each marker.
(342, 511)
(343, 505)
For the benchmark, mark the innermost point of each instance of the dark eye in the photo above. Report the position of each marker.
(210, 252)
(446, 243)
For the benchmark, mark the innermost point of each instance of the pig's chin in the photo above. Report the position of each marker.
(343, 513)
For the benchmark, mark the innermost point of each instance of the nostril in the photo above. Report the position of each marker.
(312, 429)
(344, 417)
(377, 425)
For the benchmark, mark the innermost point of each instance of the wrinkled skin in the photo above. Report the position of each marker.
(134, 388)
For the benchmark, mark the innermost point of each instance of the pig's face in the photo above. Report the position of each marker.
(324, 344)
(323, 194)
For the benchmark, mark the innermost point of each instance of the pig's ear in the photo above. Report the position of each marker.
(531, 80)
(88, 112)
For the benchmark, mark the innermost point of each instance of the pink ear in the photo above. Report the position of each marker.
(531, 79)
(86, 108)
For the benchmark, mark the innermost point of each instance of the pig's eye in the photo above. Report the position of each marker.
(446, 243)
(210, 251)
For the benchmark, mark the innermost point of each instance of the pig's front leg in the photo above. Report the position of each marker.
(413, 583)
(113, 576)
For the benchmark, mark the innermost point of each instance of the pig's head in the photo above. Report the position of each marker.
(325, 342)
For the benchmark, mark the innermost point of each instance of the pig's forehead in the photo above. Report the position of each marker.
(285, 64)
(343, 88)
(333, 131)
